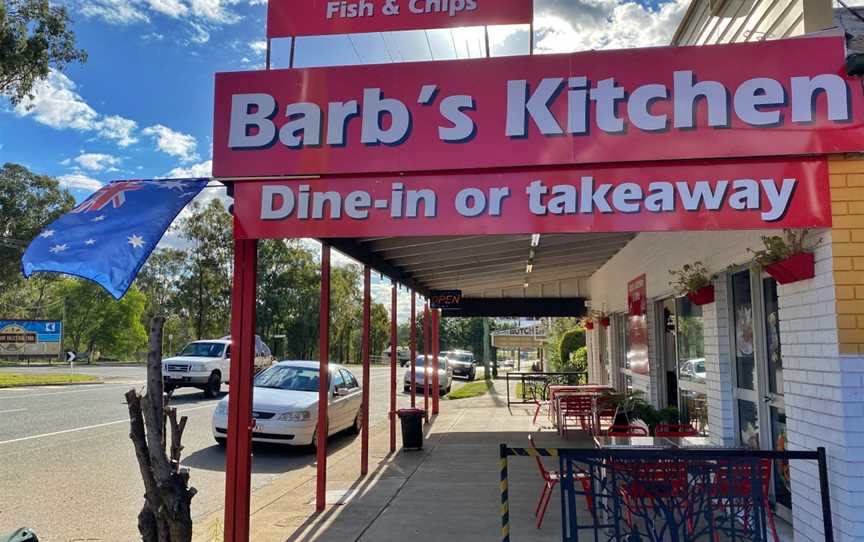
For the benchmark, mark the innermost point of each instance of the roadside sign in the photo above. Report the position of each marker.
(70, 356)
(288, 18)
(445, 299)
(30, 338)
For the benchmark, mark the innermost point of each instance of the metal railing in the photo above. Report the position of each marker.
(681, 495)
(536, 385)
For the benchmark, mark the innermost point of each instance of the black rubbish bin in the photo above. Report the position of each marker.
(21, 535)
(412, 428)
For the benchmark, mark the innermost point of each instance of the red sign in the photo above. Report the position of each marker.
(719, 195)
(286, 18)
(637, 326)
(585, 108)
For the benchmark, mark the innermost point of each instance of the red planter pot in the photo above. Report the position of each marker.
(605, 322)
(703, 296)
(799, 267)
(589, 326)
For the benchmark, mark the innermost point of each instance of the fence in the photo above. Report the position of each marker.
(536, 385)
(674, 495)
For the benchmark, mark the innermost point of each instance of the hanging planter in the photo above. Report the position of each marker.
(796, 268)
(589, 325)
(703, 296)
(605, 321)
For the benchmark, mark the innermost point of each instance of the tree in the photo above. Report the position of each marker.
(34, 39)
(28, 202)
(570, 342)
(557, 329)
(379, 332)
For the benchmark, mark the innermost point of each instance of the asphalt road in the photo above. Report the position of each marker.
(68, 470)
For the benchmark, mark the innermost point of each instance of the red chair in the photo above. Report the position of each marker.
(627, 431)
(607, 410)
(675, 430)
(539, 400)
(578, 409)
(734, 482)
(550, 480)
(648, 483)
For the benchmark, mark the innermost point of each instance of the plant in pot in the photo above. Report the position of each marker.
(633, 409)
(694, 281)
(787, 257)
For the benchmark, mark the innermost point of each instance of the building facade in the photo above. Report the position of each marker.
(768, 365)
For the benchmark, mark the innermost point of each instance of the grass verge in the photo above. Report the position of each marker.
(14, 380)
(471, 389)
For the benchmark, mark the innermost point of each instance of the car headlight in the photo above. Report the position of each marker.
(196, 367)
(222, 408)
(294, 416)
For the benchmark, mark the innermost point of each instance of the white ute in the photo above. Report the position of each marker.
(206, 365)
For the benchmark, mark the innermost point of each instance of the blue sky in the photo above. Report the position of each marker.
(142, 105)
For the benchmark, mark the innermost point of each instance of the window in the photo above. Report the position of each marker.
(349, 379)
(338, 381)
(690, 345)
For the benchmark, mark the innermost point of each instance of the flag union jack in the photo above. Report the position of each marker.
(110, 247)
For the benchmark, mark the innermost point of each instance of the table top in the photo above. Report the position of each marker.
(652, 442)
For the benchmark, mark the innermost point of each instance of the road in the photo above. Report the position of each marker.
(68, 471)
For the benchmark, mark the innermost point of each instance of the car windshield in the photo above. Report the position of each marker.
(442, 362)
(203, 350)
(460, 356)
(285, 377)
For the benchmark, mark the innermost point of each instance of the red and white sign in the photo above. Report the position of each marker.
(789, 193)
(637, 326)
(585, 108)
(286, 18)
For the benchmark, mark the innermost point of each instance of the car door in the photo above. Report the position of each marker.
(225, 364)
(338, 403)
(354, 397)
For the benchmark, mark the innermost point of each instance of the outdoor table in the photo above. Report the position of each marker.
(607, 442)
(567, 391)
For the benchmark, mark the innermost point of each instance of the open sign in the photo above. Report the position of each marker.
(445, 299)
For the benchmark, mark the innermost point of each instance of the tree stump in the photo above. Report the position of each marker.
(167, 513)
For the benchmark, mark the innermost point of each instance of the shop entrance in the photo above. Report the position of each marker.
(758, 373)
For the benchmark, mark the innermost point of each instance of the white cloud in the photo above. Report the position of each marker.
(214, 10)
(203, 169)
(171, 8)
(199, 33)
(259, 47)
(119, 130)
(183, 146)
(78, 181)
(96, 161)
(56, 103)
(114, 11)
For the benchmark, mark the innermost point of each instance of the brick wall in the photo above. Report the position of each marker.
(847, 203)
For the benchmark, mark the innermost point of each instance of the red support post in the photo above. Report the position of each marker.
(323, 380)
(367, 381)
(413, 349)
(427, 374)
(238, 460)
(436, 350)
(394, 344)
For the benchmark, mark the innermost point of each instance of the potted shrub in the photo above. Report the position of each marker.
(633, 409)
(605, 321)
(694, 281)
(786, 257)
(588, 323)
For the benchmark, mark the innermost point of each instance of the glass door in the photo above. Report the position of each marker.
(758, 374)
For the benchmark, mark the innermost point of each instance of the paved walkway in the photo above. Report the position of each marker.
(450, 490)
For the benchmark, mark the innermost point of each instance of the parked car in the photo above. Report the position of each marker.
(462, 362)
(206, 365)
(445, 375)
(693, 369)
(403, 356)
(285, 404)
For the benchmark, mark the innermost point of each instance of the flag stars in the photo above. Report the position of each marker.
(136, 241)
(57, 249)
(89, 242)
(46, 234)
(99, 218)
(179, 185)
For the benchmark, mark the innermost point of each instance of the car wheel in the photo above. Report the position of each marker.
(314, 444)
(169, 388)
(220, 441)
(214, 386)
(358, 423)
(472, 375)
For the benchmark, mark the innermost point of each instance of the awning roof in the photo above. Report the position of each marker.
(489, 266)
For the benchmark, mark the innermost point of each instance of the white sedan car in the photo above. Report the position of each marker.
(445, 375)
(285, 404)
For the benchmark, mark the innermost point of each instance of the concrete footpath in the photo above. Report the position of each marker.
(450, 490)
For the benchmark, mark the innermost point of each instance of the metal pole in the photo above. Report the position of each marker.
(427, 374)
(367, 317)
(486, 32)
(267, 56)
(436, 350)
(487, 353)
(238, 457)
(531, 39)
(291, 54)
(394, 344)
(323, 380)
(827, 520)
(413, 349)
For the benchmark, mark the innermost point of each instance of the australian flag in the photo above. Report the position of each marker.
(108, 237)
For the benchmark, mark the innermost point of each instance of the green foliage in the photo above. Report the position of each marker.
(471, 389)
(28, 202)
(570, 342)
(579, 360)
(780, 247)
(632, 406)
(34, 39)
(558, 328)
(690, 279)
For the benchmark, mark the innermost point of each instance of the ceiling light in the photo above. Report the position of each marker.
(525, 285)
(535, 240)
(529, 268)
